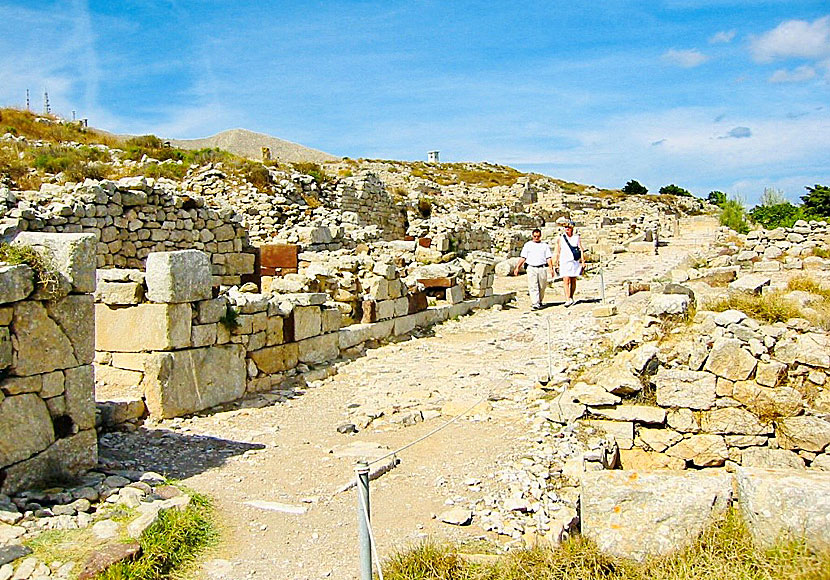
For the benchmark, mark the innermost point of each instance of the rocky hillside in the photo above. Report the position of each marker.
(250, 144)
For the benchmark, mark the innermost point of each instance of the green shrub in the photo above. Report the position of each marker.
(634, 187)
(46, 276)
(717, 198)
(778, 215)
(817, 201)
(675, 190)
(733, 216)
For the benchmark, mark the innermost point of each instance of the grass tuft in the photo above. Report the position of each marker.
(46, 276)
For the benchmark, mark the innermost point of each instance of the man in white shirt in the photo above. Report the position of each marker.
(539, 259)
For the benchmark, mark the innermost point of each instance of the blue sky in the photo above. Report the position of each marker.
(706, 94)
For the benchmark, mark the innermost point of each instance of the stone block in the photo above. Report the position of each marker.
(317, 349)
(41, 344)
(308, 322)
(133, 361)
(177, 277)
(401, 306)
(239, 263)
(417, 301)
(633, 514)
(658, 439)
(163, 327)
(182, 382)
(455, 294)
(202, 335)
(119, 292)
(25, 428)
(6, 350)
(16, 283)
(662, 305)
(640, 460)
(728, 360)
(687, 389)
(110, 380)
(72, 255)
(733, 421)
(810, 348)
(780, 503)
(634, 413)
(211, 311)
(274, 330)
(405, 324)
(642, 247)
(805, 433)
(353, 335)
(75, 315)
(385, 309)
(275, 359)
(750, 283)
(702, 450)
(621, 431)
(605, 310)
(331, 319)
(767, 458)
(79, 393)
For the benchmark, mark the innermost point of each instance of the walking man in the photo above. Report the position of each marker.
(539, 259)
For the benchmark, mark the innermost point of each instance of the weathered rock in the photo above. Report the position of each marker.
(621, 431)
(771, 458)
(278, 358)
(13, 552)
(317, 349)
(40, 344)
(728, 360)
(641, 460)
(25, 428)
(638, 514)
(75, 315)
(751, 283)
(688, 389)
(119, 293)
(659, 439)
(307, 321)
(457, 516)
(180, 276)
(72, 255)
(768, 402)
(635, 413)
(662, 305)
(702, 450)
(65, 458)
(103, 558)
(181, 382)
(781, 503)
(16, 283)
(811, 349)
(807, 433)
(586, 394)
(733, 420)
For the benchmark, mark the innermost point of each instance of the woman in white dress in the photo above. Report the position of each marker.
(570, 267)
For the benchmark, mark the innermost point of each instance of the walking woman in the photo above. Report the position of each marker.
(569, 255)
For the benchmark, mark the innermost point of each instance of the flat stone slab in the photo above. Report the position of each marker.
(636, 514)
(780, 503)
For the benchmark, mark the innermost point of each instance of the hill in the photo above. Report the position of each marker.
(249, 144)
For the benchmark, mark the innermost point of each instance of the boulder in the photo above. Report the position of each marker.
(682, 388)
(729, 360)
(780, 503)
(751, 283)
(635, 514)
(663, 305)
(803, 433)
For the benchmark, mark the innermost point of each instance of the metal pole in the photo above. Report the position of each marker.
(362, 470)
(602, 280)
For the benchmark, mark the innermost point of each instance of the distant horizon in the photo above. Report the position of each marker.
(726, 95)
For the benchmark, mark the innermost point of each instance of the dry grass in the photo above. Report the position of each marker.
(724, 551)
(766, 308)
(50, 128)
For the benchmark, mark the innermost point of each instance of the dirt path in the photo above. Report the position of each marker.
(281, 453)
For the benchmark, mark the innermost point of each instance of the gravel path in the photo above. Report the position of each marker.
(274, 466)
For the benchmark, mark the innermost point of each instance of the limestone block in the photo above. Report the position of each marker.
(314, 235)
(53, 384)
(19, 385)
(771, 458)
(40, 344)
(163, 327)
(385, 309)
(401, 306)
(353, 335)
(635, 413)
(640, 460)
(728, 360)
(64, 459)
(382, 330)
(455, 294)
(202, 335)
(79, 393)
(110, 379)
(119, 292)
(806, 433)
(378, 288)
(73, 256)
(75, 314)
(25, 428)
(621, 431)
(662, 305)
(211, 311)
(120, 410)
(308, 322)
(274, 330)
(317, 349)
(751, 283)
(386, 270)
(405, 324)
(133, 361)
(186, 381)
(177, 277)
(733, 420)
(766, 401)
(6, 350)
(16, 283)
(594, 395)
(275, 359)
(810, 348)
(239, 263)
(746, 440)
(639, 514)
(766, 266)
(769, 374)
(658, 439)
(331, 319)
(815, 263)
(776, 503)
(701, 450)
(687, 389)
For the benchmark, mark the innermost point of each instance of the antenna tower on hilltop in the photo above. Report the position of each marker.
(46, 108)
(27, 100)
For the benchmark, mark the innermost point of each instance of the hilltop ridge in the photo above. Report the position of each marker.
(249, 144)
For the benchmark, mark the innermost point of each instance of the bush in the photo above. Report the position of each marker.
(717, 198)
(675, 190)
(634, 187)
(778, 215)
(733, 216)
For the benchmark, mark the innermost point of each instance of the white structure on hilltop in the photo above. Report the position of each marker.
(432, 156)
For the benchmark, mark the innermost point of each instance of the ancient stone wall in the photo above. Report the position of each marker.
(135, 216)
(365, 197)
(47, 412)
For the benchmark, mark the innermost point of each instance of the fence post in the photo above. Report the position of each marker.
(362, 471)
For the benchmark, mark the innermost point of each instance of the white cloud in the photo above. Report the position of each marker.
(794, 39)
(797, 75)
(685, 58)
(723, 37)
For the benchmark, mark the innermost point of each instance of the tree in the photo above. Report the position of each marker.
(817, 201)
(772, 196)
(733, 215)
(779, 215)
(674, 190)
(717, 198)
(634, 187)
